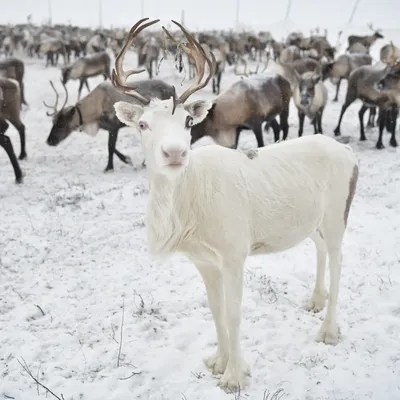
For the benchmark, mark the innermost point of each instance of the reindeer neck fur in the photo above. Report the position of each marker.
(169, 218)
(91, 108)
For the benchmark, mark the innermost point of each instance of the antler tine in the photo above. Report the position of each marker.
(119, 76)
(196, 52)
(54, 107)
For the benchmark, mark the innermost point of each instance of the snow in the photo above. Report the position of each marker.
(73, 247)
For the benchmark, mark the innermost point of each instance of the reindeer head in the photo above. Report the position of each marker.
(307, 82)
(164, 125)
(65, 120)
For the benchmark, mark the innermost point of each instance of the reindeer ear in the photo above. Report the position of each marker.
(128, 113)
(198, 110)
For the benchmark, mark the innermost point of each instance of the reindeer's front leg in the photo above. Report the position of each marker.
(212, 278)
(235, 376)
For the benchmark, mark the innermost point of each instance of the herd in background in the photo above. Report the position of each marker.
(295, 68)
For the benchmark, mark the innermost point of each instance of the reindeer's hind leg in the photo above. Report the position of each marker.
(20, 127)
(255, 125)
(395, 114)
(275, 128)
(382, 121)
(350, 98)
(317, 300)
(5, 142)
(87, 85)
(81, 83)
(332, 230)
(319, 121)
(361, 113)
(337, 90)
(371, 119)
(283, 119)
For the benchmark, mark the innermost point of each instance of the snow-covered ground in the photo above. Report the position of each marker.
(72, 247)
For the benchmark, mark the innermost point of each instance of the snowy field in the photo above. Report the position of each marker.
(74, 263)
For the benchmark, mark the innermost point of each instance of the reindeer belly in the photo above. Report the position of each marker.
(293, 224)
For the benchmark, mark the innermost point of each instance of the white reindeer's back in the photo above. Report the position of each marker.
(280, 196)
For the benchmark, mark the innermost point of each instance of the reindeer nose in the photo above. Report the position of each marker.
(174, 155)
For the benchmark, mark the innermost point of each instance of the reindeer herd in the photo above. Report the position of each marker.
(295, 68)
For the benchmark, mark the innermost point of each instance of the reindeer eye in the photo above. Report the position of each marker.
(189, 122)
(142, 125)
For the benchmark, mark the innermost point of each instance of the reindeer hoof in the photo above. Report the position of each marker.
(109, 169)
(393, 142)
(22, 156)
(337, 132)
(380, 146)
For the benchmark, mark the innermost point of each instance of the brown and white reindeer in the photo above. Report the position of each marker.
(96, 111)
(51, 47)
(87, 67)
(342, 67)
(10, 110)
(246, 105)
(310, 97)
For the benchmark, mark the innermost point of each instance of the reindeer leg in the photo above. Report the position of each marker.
(284, 125)
(361, 113)
(337, 90)
(382, 121)
(20, 127)
(81, 82)
(301, 122)
(112, 141)
(6, 144)
(319, 120)
(87, 85)
(345, 106)
(275, 128)
(256, 127)
(125, 159)
(219, 76)
(395, 114)
(371, 119)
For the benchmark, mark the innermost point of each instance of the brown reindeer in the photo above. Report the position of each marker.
(342, 67)
(367, 40)
(363, 85)
(246, 105)
(14, 68)
(96, 111)
(87, 67)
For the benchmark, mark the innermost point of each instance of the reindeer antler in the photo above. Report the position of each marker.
(54, 107)
(197, 53)
(119, 76)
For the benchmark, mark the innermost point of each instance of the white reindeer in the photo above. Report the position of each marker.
(218, 205)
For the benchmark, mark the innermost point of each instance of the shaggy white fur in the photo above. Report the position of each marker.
(217, 206)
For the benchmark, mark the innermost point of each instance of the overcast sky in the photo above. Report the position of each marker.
(208, 14)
